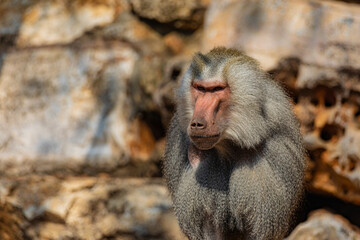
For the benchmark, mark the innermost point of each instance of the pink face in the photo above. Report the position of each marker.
(211, 102)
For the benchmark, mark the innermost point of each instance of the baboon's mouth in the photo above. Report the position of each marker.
(205, 142)
(201, 136)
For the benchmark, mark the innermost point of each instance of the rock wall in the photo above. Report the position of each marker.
(86, 95)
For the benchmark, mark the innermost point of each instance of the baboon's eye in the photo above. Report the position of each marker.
(216, 89)
(200, 88)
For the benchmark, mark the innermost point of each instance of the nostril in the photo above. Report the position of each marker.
(197, 125)
(200, 125)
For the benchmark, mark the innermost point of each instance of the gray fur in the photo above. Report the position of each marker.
(252, 181)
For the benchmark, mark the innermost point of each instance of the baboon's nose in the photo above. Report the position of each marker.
(198, 124)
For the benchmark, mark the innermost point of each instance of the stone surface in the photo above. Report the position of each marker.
(12, 221)
(321, 33)
(69, 107)
(325, 225)
(83, 74)
(10, 18)
(91, 208)
(185, 14)
(126, 27)
(327, 105)
(61, 22)
(329, 111)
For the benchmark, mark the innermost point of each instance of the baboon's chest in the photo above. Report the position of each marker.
(203, 192)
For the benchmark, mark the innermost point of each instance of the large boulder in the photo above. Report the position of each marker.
(69, 108)
(180, 14)
(77, 81)
(61, 22)
(325, 225)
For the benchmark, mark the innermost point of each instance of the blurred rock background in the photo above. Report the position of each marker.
(86, 95)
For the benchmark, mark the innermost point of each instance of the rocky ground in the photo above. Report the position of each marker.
(102, 207)
(86, 95)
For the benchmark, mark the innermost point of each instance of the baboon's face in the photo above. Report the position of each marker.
(210, 101)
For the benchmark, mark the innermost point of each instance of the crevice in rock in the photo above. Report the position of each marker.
(286, 74)
(186, 27)
(349, 1)
(153, 120)
(7, 41)
(316, 201)
(175, 73)
(315, 154)
(329, 131)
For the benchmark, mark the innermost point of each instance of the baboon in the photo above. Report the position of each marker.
(234, 159)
